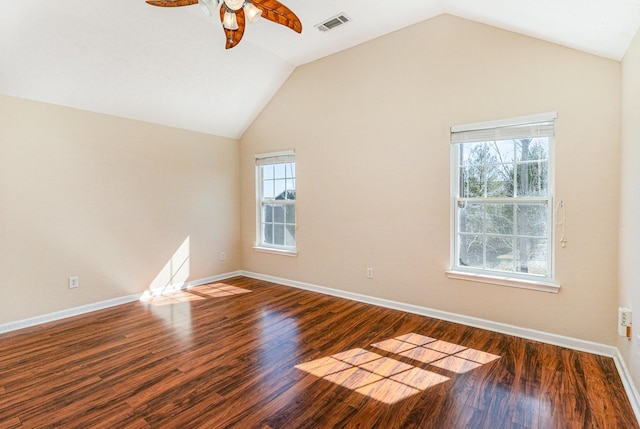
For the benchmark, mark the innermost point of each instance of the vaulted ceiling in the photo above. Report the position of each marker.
(169, 65)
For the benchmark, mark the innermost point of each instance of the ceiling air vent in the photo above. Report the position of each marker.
(334, 22)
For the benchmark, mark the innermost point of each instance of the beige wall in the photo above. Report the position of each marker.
(370, 129)
(109, 200)
(112, 200)
(630, 204)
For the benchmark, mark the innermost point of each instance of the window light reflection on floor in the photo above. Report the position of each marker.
(389, 380)
(196, 293)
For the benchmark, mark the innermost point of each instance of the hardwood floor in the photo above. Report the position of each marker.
(250, 354)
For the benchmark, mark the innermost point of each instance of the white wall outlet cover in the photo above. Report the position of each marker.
(74, 282)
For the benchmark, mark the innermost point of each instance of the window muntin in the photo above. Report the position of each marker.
(276, 186)
(503, 204)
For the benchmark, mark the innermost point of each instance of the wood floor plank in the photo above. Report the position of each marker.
(10, 423)
(246, 353)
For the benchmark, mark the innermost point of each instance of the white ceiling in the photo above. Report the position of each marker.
(169, 65)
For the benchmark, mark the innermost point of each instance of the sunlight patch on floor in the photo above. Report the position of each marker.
(389, 380)
(197, 293)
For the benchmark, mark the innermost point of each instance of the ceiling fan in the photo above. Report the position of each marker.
(234, 12)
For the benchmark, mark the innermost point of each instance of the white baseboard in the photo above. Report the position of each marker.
(628, 383)
(63, 314)
(75, 311)
(530, 334)
(212, 279)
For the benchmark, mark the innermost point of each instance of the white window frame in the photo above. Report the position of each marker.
(272, 159)
(540, 125)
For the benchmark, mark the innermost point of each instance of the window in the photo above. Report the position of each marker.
(276, 190)
(502, 198)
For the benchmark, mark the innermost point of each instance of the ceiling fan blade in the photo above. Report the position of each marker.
(234, 36)
(275, 11)
(171, 3)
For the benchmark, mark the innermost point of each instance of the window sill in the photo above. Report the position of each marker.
(276, 251)
(505, 281)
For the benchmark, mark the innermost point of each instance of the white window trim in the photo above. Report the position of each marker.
(546, 284)
(286, 153)
(259, 247)
(542, 286)
(499, 123)
(276, 251)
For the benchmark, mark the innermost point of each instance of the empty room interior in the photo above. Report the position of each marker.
(341, 214)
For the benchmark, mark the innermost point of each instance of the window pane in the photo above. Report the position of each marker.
(502, 151)
(267, 172)
(500, 180)
(291, 194)
(531, 256)
(500, 252)
(267, 189)
(279, 189)
(533, 179)
(290, 235)
(267, 233)
(291, 170)
(471, 218)
(267, 213)
(499, 219)
(291, 184)
(470, 250)
(278, 235)
(278, 214)
(472, 181)
(290, 213)
(280, 170)
(472, 153)
(533, 149)
(532, 219)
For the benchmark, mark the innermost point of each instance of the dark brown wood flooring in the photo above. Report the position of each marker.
(245, 353)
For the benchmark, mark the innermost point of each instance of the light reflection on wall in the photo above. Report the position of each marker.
(390, 380)
(175, 272)
(169, 280)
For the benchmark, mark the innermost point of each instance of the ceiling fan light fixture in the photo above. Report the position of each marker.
(229, 21)
(233, 14)
(251, 11)
(207, 7)
(234, 4)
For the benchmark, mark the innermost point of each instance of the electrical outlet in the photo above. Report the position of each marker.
(369, 273)
(223, 256)
(624, 322)
(74, 282)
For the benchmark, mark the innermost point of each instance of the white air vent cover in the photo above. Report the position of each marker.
(334, 22)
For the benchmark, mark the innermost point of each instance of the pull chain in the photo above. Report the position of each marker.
(560, 212)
